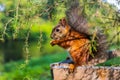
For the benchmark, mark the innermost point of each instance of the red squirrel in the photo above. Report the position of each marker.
(73, 34)
(75, 43)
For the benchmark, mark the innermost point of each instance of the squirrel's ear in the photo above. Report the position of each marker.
(60, 21)
(63, 21)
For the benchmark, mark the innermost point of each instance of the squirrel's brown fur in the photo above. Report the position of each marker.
(74, 36)
(77, 44)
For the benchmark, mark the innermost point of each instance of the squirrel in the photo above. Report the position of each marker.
(73, 34)
(75, 43)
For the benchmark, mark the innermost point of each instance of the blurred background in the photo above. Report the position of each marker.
(25, 28)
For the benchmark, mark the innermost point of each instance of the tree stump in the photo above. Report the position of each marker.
(60, 71)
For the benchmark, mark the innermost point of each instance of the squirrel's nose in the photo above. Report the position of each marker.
(51, 36)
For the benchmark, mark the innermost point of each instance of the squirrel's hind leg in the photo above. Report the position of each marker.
(71, 66)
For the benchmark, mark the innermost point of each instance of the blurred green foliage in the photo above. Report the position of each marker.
(37, 68)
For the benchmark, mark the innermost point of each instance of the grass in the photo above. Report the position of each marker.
(36, 69)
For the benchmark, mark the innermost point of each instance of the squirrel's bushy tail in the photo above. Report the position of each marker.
(76, 19)
(102, 44)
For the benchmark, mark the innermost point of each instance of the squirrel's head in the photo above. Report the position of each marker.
(61, 30)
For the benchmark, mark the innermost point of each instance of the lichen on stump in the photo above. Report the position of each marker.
(61, 72)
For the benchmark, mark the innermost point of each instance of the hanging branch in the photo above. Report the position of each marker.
(111, 41)
(5, 28)
(16, 20)
(27, 45)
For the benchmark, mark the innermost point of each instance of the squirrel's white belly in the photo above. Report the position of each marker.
(68, 49)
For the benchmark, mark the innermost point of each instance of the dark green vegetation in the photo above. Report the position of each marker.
(25, 27)
(112, 62)
(37, 69)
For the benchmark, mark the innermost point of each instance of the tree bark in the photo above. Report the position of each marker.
(61, 72)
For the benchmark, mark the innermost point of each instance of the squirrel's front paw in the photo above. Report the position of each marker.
(52, 43)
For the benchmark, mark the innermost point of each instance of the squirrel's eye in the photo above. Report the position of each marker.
(57, 30)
